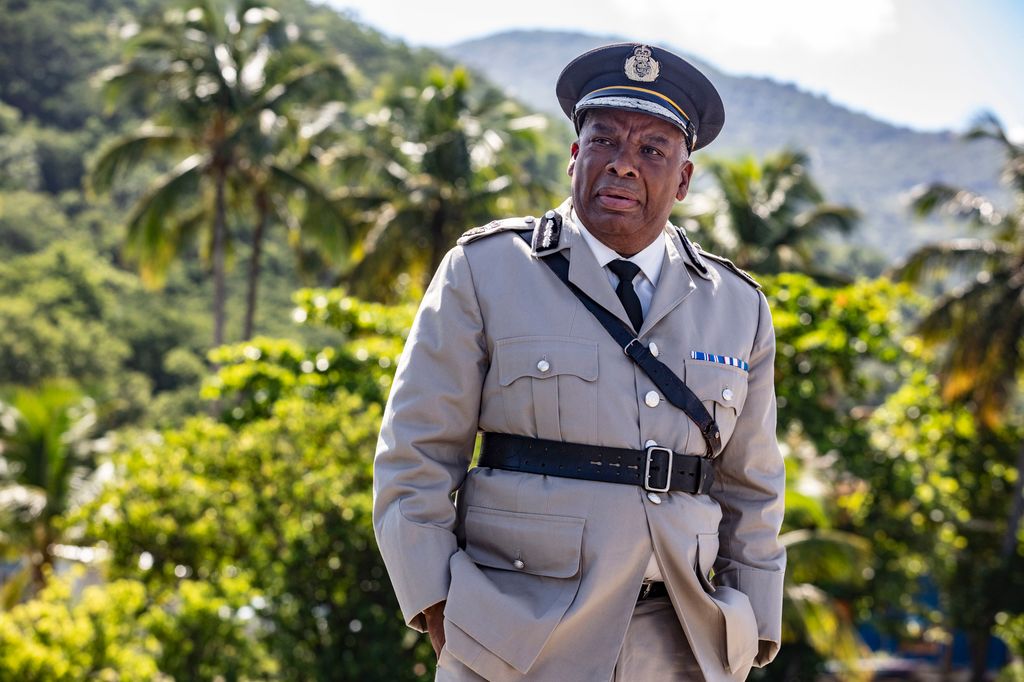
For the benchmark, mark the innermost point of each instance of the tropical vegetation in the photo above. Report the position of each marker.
(186, 444)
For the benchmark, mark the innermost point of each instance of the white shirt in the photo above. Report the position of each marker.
(649, 261)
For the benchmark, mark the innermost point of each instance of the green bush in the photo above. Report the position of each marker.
(282, 503)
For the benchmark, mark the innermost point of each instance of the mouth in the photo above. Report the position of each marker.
(617, 198)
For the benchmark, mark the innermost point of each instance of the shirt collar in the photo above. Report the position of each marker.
(649, 260)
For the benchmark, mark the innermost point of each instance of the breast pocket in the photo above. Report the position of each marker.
(547, 382)
(723, 390)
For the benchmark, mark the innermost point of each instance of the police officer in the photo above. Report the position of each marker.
(623, 520)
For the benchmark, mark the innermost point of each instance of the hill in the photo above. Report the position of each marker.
(857, 159)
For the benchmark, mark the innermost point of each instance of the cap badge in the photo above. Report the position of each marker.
(641, 67)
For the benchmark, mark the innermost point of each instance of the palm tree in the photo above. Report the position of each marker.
(438, 157)
(47, 458)
(215, 78)
(766, 216)
(279, 185)
(980, 321)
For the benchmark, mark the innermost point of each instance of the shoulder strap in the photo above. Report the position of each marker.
(675, 391)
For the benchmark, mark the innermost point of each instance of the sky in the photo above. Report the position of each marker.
(925, 64)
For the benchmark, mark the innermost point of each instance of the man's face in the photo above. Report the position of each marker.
(628, 169)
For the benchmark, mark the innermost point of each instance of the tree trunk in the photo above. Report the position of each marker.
(254, 264)
(219, 235)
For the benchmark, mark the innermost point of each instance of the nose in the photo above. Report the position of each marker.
(623, 163)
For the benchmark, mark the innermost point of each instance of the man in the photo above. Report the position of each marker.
(623, 522)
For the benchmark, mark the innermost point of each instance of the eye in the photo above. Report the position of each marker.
(601, 140)
(648, 149)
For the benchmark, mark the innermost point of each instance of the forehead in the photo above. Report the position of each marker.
(633, 122)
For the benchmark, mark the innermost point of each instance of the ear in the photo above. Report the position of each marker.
(573, 151)
(684, 182)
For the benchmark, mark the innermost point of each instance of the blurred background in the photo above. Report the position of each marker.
(217, 218)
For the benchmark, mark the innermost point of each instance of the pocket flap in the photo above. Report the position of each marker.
(539, 544)
(721, 383)
(545, 356)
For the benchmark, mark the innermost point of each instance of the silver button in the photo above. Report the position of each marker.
(727, 394)
(654, 497)
(650, 444)
(654, 349)
(652, 399)
(518, 563)
(549, 215)
(529, 219)
(543, 365)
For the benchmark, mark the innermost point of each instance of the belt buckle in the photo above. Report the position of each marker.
(668, 470)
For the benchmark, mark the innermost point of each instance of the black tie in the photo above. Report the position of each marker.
(626, 270)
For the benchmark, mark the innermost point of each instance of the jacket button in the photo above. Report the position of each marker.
(518, 563)
(727, 394)
(543, 365)
(650, 444)
(652, 399)
(654, 349)
(654, 497)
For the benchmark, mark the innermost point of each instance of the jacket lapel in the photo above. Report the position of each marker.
(674, 284)
(585, 273)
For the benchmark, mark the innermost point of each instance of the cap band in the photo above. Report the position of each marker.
(643, 105)
(643, 90)
(646, 106)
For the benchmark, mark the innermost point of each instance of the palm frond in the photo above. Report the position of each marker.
(967, 255)
(324, 219)
(825, 555)
(960, 203)
(120, 156)
(151, 235)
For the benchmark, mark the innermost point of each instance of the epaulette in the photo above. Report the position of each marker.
(496, 226)
(743, 274)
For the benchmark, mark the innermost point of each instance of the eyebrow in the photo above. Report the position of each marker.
(606, 129)
(658, 139)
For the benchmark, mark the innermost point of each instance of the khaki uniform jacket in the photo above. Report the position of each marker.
(492, 312)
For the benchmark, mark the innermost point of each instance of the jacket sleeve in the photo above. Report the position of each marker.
(750, 488)
(426, 438)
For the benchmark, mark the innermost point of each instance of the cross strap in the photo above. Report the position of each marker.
(671, 386)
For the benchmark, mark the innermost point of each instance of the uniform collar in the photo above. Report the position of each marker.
(649, 260)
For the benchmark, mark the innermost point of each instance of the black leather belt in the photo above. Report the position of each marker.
(656, 469)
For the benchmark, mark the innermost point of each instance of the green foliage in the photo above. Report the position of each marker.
(767, 216)
(938, 500)
(65, 312)
(96, 637)
(283, 503)
(254, 375)
(29, 221)
(47, 460)
(839, 351)
(438, 156)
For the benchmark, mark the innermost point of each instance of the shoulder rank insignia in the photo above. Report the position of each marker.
(548, 232)
(496, 226)
(691, 250)
(742, 274)
(697, 256)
